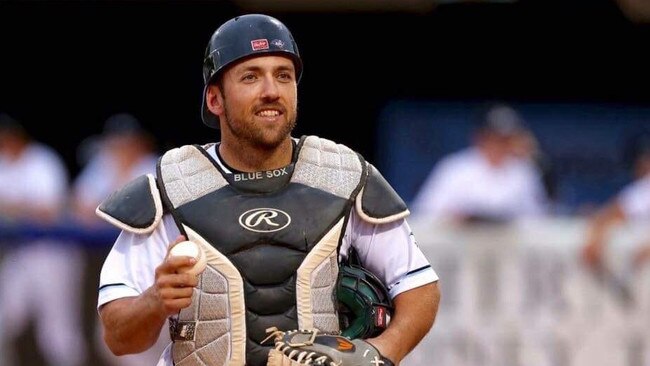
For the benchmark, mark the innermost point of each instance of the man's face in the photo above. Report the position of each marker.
(495, 147)
(260, 100)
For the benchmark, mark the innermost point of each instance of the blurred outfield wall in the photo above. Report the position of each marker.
(518, 295)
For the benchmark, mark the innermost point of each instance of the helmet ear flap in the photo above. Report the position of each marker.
(208, 68)
(365, 306)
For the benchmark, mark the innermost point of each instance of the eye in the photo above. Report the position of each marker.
(285, 76)
(249, 78)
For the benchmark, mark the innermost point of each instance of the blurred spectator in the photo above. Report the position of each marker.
(526, 146)
(496, 179)
(124, 150)
(631, 204)
(40, 276)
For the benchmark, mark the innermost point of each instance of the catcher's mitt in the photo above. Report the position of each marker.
(308, 347)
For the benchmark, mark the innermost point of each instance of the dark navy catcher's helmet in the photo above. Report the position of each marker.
(241, 37)
(364, 304)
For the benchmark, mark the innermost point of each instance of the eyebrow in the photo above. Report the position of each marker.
(259, 68)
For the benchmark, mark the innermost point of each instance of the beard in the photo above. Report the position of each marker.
(258, 135)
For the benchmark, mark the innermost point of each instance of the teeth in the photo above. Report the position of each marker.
(269, 113)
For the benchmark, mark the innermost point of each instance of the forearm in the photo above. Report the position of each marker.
(415, 312)
(15, 211)
(132, 325)
(602, 222)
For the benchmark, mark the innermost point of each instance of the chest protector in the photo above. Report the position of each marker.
(271, 240)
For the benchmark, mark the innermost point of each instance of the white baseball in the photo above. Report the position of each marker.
(190, 249)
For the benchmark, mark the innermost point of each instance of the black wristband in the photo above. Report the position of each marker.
(387, 362)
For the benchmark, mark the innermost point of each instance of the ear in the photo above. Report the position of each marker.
(214, 99)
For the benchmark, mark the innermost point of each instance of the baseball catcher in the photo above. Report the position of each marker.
(274, 216)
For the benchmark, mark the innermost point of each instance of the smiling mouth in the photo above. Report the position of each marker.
(269, 113)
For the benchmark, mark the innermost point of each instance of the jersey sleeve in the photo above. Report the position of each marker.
(129, 268)
(391, 252)
(634, 199)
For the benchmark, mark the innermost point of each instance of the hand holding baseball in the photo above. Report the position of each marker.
(190, 249)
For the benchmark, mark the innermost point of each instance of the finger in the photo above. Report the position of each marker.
(179, 239)
(175, 305)
(173, 264)
(174, 293)
(177, 280)
(180, 261)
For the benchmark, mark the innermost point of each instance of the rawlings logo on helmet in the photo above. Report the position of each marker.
(260, 44)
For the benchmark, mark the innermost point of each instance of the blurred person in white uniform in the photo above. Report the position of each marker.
(630, 204)
(40, 277)
(622, 270)
(497, 179)
(123, 151)
(492, 180)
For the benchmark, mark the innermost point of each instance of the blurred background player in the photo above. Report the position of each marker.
(631, 204)
(40, 276)
(123, 151)
(495, 179)
(524, 144)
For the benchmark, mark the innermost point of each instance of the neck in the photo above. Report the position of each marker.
(246, 158)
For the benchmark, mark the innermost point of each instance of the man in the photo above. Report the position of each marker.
(123, 151)
(631, 205)
(40, 276)
(272, 213)
(490, 181)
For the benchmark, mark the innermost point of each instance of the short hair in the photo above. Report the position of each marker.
(499, 118)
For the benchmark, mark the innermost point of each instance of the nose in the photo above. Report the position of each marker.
(270, 90)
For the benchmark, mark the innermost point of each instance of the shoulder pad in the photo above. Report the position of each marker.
(378, 202)
(136, 207)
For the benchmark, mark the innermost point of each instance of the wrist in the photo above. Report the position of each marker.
(385, 349)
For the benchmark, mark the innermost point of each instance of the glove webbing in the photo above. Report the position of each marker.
(295, 357)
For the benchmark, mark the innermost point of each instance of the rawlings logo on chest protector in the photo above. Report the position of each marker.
(264, 220)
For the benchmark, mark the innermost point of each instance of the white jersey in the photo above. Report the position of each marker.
(464, 183)
(37, 179)
(40, 279)
(390, 251)
(634, 199)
